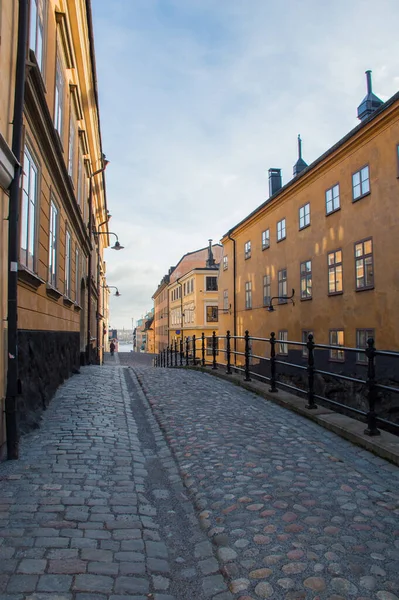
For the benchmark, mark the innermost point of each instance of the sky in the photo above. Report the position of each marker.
(199, 98)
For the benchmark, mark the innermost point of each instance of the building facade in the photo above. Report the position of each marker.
(63, 218)
(329, 236)
(161, 314)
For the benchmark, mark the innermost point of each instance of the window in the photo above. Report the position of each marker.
(362, 335)
(265, 239)
(337, 339)
(211, 284)
(192, 285)
(77, 276)
(53, 245)
(247, 249)
(282, 286)
(360, 183)
(334, 260)
(36, 30)
(80, 192)
(266, 290)
(364, 265)
(211, 314)
(59, 98)
(29, 204)
(184, 289)
(209, 346)
(71, 152)
(304, 216)
(283, 347)
(332, 199)
(225, 300)
(305, 338)
(248, 294)
(306, 279)
(225, 263)
(281, 230)
(68, 264)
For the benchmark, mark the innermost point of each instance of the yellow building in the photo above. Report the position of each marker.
(330, 235)
(193, 296)
(161, 314)
(63, 223)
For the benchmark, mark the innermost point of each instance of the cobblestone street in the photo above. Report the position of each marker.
(172, 484)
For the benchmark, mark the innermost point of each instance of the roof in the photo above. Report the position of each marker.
(314, 164)
(196, 259)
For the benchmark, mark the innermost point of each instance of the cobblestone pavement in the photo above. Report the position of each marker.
(95, 508)
(293, 511)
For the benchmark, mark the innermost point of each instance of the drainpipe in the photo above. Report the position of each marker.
(13, 222)
(234, 296)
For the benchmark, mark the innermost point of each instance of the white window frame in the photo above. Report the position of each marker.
(225, 299)
(72, 138)
(267, 284)
(332, 199)
(361, 183)
(247, 249)
(265, 239)
(53, 244)
(37, 27)
(248, 295)
(304, 216)
(59, 95)
(68, 253)
(225, 263)
(281, 230)
(29, 211)
(283, 346)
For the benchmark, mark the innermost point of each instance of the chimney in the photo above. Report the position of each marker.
(300, 164)
(210, 263)
(370, 103)
(274, 181)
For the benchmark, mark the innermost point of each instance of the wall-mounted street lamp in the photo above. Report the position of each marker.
(282, 300)
(117, 245)
(108, 287)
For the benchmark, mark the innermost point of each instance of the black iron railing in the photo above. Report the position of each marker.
(207, 351)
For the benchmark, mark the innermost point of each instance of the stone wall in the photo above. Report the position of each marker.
(46, 359)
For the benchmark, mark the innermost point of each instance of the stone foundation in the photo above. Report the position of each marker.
(46, 359)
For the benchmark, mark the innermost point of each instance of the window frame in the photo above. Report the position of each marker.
(340, 356)
(59, 95)
(283, 345)
(362, 258)
(209, 289)
(331, 189)
(306, 215)
(361, 358)
(225, 263)
(283, 237)
(335, 293)
(248, 295)
(266, 239)
(247, 250)
(283, 282)
(226, 299)
(77, 275)
(362, 194)
(68, 263)
(31, 210)
(54, 230)
(40, 58)
(305, 277)
(211, 318)
(267, 284)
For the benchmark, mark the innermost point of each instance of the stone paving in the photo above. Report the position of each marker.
(293, 511)
(95, 508)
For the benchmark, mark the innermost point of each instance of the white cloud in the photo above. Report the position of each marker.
(199, 98)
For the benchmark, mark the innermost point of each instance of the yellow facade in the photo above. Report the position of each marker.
(61, 273)
(161, 315)
(342, 264)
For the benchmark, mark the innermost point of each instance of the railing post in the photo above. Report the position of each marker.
(203, 348)
(181, 352)
(167, 356)
(175, 353)
(194, 351)
(247, 376)
(214, 364)
(310, 346)
(273, 387)
(186, 352)
(372, 390)
(228, 353)
(164, 357)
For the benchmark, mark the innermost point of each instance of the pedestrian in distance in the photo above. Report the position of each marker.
(112, 348)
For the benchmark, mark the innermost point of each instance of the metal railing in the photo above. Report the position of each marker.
(205, 351)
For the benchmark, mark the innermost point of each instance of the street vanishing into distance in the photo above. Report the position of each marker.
(171, 484)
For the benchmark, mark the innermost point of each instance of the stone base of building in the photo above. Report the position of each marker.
(45, 360)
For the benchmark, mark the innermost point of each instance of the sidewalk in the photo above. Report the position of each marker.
(95, 508)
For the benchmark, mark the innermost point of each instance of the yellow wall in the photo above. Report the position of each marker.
(375, 215)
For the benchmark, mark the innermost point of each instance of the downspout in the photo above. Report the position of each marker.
(234, 297)
(13, 223)
(89, 267)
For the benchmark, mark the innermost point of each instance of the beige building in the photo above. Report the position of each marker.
(63, 223)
